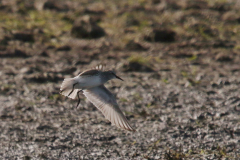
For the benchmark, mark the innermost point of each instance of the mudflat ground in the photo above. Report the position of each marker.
(180, 61)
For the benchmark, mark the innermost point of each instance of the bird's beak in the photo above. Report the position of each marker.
(119, 78)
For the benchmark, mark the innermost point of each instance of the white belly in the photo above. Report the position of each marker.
(88, 82)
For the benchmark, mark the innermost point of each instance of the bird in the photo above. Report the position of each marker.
(91, 84)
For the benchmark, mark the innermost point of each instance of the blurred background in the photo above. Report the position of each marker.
(180, 60)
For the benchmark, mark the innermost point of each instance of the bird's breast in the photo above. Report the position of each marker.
(89, 81)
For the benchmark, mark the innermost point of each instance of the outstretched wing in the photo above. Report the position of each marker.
(100, 67)
(106, 103)
(93, 71)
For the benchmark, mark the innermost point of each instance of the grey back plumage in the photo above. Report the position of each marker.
(90, 72)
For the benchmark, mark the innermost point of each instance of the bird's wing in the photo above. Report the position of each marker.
(104, 100)
(100, 67)
(89, 72)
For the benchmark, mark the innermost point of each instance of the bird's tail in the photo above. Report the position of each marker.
(67, 88)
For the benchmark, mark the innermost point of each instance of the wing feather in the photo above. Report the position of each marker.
(106, 103)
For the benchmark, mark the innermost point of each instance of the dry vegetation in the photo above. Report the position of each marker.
(179, 59)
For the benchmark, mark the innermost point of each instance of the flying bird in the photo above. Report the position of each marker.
(91, 84)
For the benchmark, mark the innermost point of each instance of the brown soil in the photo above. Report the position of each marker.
(180, 61)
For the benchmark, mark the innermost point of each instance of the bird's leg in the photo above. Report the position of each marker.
(79, 100)
(72, 89)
